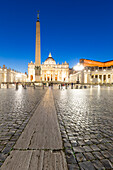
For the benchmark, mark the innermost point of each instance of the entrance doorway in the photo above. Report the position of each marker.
(31, 78)
(56, 78)
(48, 78)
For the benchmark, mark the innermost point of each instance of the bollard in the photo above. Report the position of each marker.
(85, 87)
(43, 86)
(59, 86)
(25, 86)
(34, 86)
(71, 86)
(51, 85)
(7, 85)
(16, 86)
(66, 86)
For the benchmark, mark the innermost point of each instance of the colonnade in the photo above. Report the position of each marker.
(54, 77)
(98, 78)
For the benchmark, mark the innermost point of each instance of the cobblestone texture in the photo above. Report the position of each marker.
(86, 123)
(16, 108)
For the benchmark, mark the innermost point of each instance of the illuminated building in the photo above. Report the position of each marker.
(8, 75)
(48, 71)
(94, 72)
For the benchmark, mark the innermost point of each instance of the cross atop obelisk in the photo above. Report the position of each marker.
(38, 15)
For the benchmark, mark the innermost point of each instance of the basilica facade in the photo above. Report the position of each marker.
(49, 71)
(92, 72)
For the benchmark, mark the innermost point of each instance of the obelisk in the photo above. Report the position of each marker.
(37, 51)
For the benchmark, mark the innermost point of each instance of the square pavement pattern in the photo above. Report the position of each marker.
(40, 145)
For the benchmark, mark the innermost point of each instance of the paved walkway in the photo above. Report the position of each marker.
(40, 145)
(86, 123)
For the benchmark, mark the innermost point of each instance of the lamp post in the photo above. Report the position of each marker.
(78, 67)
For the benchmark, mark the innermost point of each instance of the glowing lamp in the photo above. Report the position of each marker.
(78, 67)
(18, 75)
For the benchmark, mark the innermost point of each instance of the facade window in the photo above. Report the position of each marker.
(96, 76)
(100, 76)
(108, 75)
(82, 61)
(104, 77)
(92, 76)
(96, 67)
(92, 68)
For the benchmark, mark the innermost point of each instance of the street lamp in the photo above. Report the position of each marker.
(18, 75)
(78, 67)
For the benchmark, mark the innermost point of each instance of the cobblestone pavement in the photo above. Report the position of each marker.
(16, 108)
(86, 123)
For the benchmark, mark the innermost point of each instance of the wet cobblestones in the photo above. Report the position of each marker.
(86, 123)
(16, 108)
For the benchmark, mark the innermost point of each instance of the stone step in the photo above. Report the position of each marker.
(35, 160)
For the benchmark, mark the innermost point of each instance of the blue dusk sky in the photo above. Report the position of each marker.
(70, 30)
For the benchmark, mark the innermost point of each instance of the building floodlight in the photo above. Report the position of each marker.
(78, 67)
(18, 75)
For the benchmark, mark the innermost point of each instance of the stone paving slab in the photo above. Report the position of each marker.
(16, 109)
(35, 160)
(40, 145)
(42, 131)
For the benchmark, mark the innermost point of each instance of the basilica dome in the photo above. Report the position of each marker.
(50, 60)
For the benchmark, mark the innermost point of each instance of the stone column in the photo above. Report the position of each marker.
(85, 78)
(62, 76)
(106, 78)
(53, 76)
(111, 78)
(98, 79)
(58, 76)
(67, 75)
(42, 77)
(102, 78)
